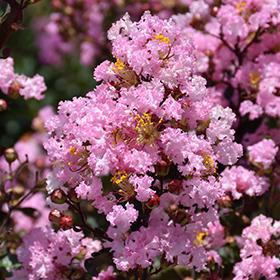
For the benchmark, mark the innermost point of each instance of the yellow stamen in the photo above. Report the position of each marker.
(72, 150)
(146, 129)
(143, 121)
(119, 177)
(254, 78)
(200, 237)
(118, 66)
(161, 38)
(240, 6)
(208, 162)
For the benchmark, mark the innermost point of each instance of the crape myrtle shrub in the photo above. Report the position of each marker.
(169, 168)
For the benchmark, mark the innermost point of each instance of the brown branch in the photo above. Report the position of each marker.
(95, 231)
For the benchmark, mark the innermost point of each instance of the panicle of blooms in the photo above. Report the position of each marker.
(260, 250)
(75, 25)
(153, 129)
(238, 181)
(81, 25)
(173, 231)
(14, 84)
(238, 50)
(253, 110)
(46, 254)
(263, 153)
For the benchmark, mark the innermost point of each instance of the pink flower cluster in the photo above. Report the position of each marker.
(49, 255)
(152, 127)
(153, 148)
(75, 25)
(260, 250)
(14, 84)
(238, 181)
(238, 41)
(263, 153)
(78, 26)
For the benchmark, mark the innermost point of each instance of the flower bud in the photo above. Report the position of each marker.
(57, 4)
(14, 88)
(3, 105)
(175, 186)
(225, 201)
(178, 214)
(58, 196)
(154, 201)
(54, 216)
(162, 168)
(10, 155)
(66, 222)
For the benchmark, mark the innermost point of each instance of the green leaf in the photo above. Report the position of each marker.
(8, 264)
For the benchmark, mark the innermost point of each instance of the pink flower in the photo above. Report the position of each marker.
(107, 274)
(238, 181)
(7, 74)
(121, 217)
(263, 153)
(253, 110)
(45, 254)
(142, 187)
(257, 253)
(20, 84)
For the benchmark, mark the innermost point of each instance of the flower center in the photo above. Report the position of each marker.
(209, 163)
(118, 66)
(254, 78)
(241, 6)
(200, 237)
(163, 39)
(146, 129)
(119, 177)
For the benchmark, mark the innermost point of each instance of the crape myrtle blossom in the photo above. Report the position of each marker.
(150, 126)
(259, 250)
(153, 149)
(263, 153)
(238, 181)
(81, 26)
(238, 45)
(46, 254)
(14, 84)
